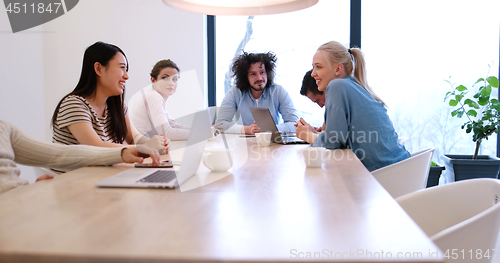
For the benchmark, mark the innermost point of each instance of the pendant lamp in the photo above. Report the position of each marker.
(239, 7)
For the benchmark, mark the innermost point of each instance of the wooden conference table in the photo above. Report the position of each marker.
(271, 209)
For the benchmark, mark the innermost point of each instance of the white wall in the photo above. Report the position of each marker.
(21, 75)
(147, 31)
(41, 65)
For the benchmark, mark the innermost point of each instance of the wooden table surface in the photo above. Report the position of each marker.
(270, 208)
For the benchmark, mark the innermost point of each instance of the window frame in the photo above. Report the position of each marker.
(354, 39)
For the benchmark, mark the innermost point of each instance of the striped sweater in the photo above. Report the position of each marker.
(76, 109)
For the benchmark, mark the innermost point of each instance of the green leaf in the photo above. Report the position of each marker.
(459, 97)
(496, 107)
(453, 103)
(461, 88)
(471, 103)
(486, 91)
(483, 100)
(460, 114)
(477, 95)
(479, 80)
(455, 112)
(493, 81)
(448, 94)
(472, 113)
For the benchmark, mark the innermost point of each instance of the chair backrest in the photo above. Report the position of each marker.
(461, 215)
(406, 176)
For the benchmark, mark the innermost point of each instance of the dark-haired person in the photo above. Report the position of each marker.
(355, 117)
(94, 113)
(254, 78)
(17, 147)
(310, 89)
(148, 113)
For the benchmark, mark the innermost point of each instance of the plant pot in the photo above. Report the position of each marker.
(434, 174)
(462, 167)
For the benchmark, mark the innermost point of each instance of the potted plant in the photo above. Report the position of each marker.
(482, 114)
(434, 174)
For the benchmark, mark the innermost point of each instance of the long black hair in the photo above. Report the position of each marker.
(242, 64)
(100, 52)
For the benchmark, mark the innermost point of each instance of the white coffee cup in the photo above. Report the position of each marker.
(263, 138)
(217, 159)
(314, 156)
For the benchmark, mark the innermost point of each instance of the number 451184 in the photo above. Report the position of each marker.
(40, 8)
(470, 254)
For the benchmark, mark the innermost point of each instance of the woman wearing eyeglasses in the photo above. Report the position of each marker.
(148, 113)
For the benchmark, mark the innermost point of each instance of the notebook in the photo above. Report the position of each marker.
(168, 177)
(265, 122)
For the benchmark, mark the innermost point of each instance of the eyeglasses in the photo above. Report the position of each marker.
(174, 78)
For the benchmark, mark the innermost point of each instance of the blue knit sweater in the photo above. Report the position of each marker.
(357, 121)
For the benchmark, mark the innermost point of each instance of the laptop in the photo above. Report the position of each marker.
(168, 177)
(264, 120)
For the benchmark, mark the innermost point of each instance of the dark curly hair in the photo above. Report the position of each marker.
(242, 63)
(309, 84)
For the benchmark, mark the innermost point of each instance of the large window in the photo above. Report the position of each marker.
(411, 47)
(293, 37)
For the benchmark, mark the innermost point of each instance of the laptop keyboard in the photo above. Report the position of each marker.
(160, 176)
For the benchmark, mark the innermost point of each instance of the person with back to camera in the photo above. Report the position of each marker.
(355, 117)
(310, 90)
(254, 76)
(17, 147)
(94, 113)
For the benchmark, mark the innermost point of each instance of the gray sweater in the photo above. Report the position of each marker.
(17, 147)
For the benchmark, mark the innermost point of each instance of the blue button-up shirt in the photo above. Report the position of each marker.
(274, 97)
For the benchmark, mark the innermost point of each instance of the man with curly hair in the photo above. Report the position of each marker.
(254, 87)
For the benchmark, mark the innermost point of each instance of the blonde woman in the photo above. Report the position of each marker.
(355, 117)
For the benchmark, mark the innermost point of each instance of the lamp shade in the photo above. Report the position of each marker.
(239, 7)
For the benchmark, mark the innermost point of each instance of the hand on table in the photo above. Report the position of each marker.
(217, 128)
(137, 153)
(304, 130)
(158, 142)
(252, 129)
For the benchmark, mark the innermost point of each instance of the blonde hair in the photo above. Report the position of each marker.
(353, 62)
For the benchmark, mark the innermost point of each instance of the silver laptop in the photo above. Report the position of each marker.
(265, 122)
(168, 177)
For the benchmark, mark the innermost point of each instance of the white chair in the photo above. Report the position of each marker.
(406, 176)
(463, 215)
